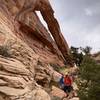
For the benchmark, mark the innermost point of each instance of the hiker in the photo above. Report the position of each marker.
(68, 83)
(61, 82)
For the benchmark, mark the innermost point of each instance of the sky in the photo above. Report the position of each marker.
(79, 21)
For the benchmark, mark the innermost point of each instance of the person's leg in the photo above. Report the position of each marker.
(70, 88)
(62, 86)
(65, 89)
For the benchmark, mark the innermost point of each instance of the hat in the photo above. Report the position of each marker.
(66, 73)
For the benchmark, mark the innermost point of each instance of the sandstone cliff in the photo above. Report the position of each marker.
(26, 52)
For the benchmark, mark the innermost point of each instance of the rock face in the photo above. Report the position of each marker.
(48, 15)
(26, 50)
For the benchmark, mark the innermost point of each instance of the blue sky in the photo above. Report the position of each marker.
(79, 21)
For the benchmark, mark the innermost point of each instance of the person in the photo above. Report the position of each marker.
(68, 83)
(61, 82)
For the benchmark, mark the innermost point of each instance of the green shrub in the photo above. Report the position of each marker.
(58, 68)
(89, 84)
(55, 66)
(4, 51)
(56, 98)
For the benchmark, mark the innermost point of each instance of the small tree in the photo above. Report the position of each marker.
(76, 55)
(86, 50)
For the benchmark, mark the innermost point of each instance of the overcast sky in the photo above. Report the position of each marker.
(79, 21)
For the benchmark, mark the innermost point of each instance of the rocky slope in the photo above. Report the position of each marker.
(26, 52)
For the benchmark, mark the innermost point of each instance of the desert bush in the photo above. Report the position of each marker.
(89, 84)
(4, 51)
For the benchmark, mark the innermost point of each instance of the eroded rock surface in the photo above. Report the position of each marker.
(26, 50)
(17, 65)
(48, 15)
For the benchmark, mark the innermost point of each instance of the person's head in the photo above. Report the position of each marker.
(66, 74)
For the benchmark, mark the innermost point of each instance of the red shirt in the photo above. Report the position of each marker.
(67, 81)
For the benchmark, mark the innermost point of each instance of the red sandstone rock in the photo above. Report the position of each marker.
(26, 49)
(48, 15)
